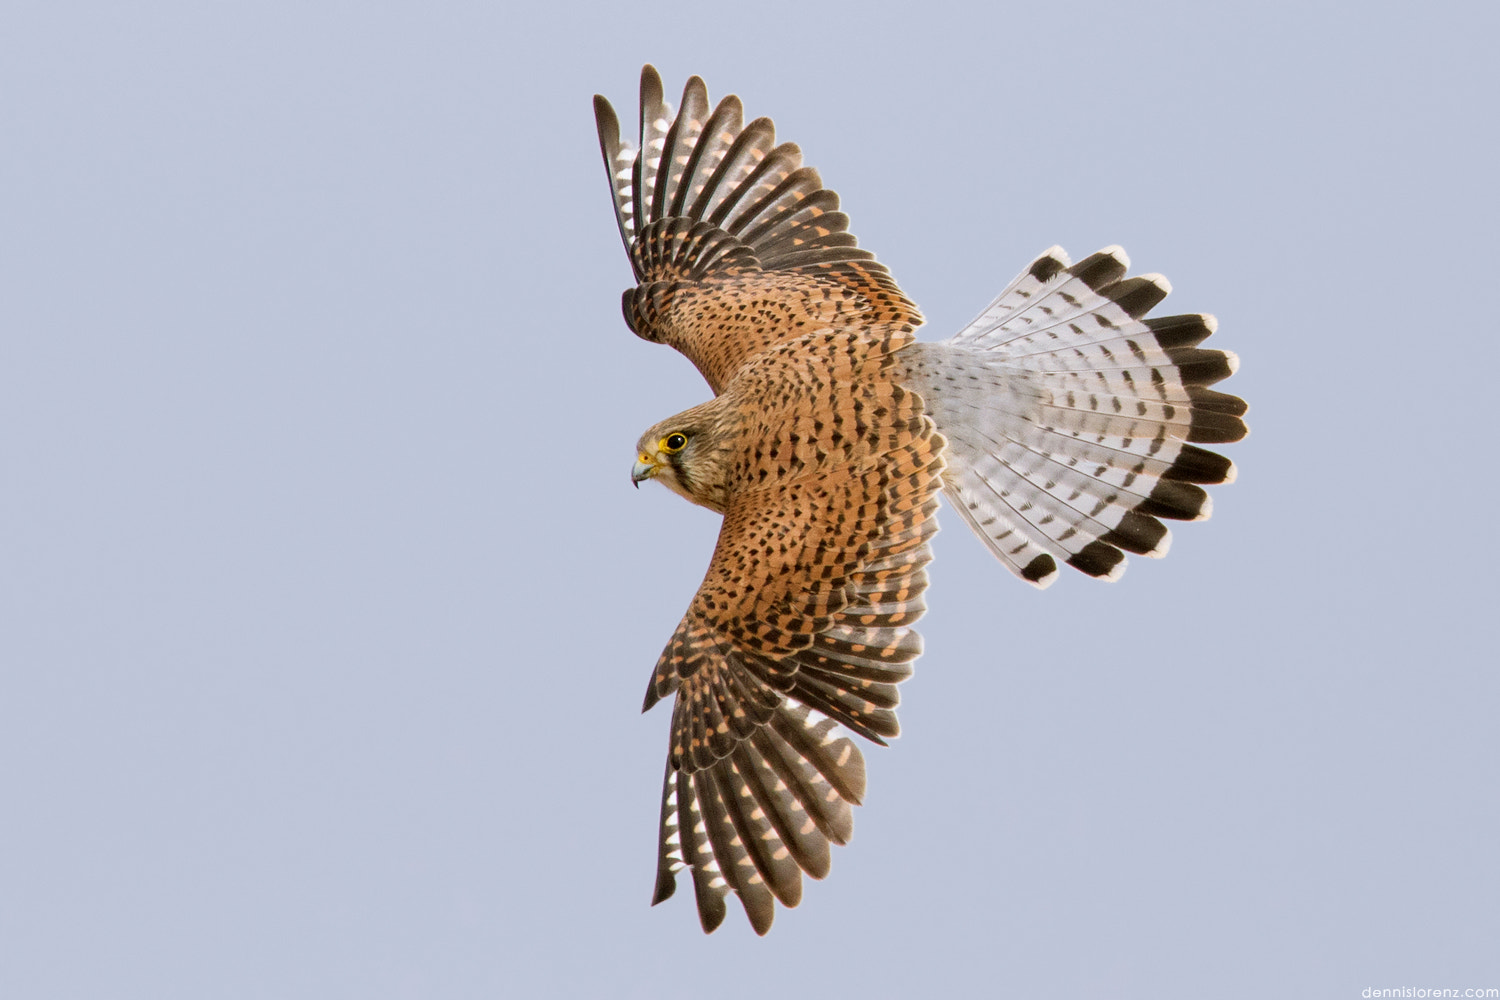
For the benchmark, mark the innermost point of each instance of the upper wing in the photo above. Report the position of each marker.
(735, 244)
(802, 623)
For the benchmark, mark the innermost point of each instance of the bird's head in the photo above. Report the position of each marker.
(686, 454)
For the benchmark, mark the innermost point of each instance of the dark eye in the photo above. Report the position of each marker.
(674, 442)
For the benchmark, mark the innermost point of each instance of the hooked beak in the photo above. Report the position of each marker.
(644, 468)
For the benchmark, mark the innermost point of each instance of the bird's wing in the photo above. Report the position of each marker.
(803, 625)
(736, 245)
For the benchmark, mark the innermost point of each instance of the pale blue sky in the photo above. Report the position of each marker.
(328, 607)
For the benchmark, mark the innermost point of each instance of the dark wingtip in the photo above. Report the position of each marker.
(666, 884)
(651, 696)
(761, 917)
(711, 911)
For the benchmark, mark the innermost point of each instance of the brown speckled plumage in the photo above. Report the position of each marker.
(1057, 423)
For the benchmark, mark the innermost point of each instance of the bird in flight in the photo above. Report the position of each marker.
(1061, 424)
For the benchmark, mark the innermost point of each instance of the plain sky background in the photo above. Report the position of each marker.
(326, 606)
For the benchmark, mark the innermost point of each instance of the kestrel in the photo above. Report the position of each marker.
(1061, 424)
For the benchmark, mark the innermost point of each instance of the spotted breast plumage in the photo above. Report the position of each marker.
(1061, 424)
